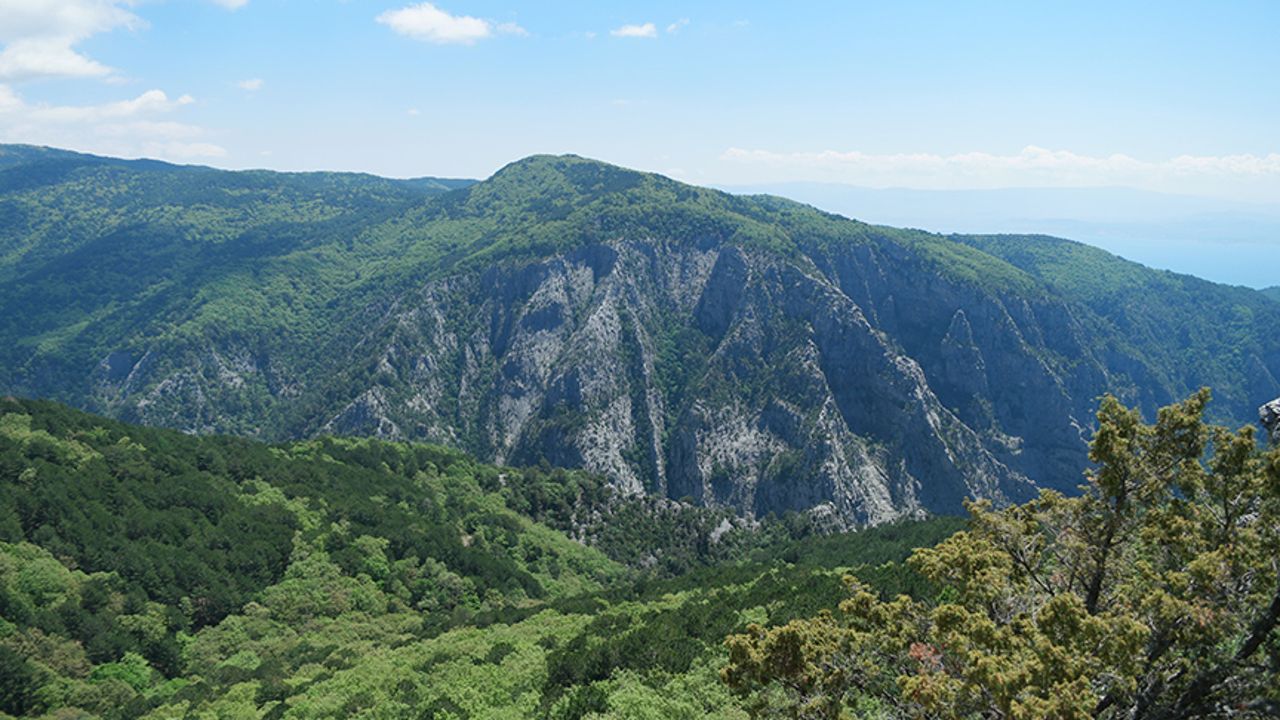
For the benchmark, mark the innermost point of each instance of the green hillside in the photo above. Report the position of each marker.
(1177, 324)
(146, 573)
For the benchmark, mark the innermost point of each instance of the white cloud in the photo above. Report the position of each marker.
(232, 4)
(647, 30)
(9, 101)
(510, 28)
(62, 18)
(429, 23)
(414, 112)
(1254, 175)
(128, 128)
(45, 57)
(40, 39)
(40, 36)
(675, 26)
(252, 84)
(149, 102)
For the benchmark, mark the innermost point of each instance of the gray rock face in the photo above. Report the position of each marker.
(723, 375)
(852, 382)
(1269, 416)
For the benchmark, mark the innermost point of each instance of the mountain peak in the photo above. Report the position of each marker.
(547, 161)
(568, 173)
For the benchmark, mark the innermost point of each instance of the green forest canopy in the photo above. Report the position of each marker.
(148, 573)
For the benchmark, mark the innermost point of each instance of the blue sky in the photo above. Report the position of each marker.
(1166, 96)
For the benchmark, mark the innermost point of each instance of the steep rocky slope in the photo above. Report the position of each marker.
(748, 352)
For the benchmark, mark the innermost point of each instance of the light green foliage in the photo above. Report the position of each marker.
(30, 578)
(132, 670)
(1154, 594)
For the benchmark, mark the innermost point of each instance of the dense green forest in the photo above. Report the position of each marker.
(147, 573)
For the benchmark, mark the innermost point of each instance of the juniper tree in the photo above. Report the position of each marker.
(1155, 593)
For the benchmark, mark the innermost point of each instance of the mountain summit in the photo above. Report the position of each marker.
(742, 351)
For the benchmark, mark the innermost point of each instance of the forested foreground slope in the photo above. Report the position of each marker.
(146, 573)
(743, 352)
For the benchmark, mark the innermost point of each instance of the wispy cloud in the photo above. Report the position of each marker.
(252, 84)
(647, 30)
(40, 36)
(126, 127)
(428, 23)
(510, 28)
(40, 40)
(231, 4)
(1033, 166)
(677, 25)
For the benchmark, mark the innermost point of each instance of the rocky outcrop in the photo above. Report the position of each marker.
(1269, 416)
(721, 374)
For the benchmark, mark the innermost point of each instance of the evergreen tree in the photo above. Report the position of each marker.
(1153, 594)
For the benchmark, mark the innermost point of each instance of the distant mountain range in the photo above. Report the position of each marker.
(749, 352)
(1223, 240)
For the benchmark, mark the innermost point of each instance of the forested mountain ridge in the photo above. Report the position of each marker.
(749, 352)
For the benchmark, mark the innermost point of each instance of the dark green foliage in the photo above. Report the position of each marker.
(18, 683)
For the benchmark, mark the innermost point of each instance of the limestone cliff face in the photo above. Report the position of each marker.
(788, 394)
(850, 381)
(1269, 416)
